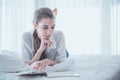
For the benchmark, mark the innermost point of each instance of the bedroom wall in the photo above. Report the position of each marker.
(91, 27)
(0, 22)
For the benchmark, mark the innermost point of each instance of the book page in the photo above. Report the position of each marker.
(62, 74)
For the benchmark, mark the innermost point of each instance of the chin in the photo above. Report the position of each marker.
(46, 38)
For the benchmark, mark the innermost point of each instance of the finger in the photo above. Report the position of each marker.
(40, 67)
(35, 68)
(38, 63)
(41, 63)
(44, 43)
(43, 67)
(49, 43)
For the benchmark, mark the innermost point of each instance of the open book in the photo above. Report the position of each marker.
(51, 74)
(64, 69)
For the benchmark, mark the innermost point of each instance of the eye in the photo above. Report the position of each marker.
(53, 27)
(45, 27)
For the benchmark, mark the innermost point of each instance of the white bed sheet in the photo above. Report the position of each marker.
(89, 68)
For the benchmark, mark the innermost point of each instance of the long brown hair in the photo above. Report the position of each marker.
(38, 15)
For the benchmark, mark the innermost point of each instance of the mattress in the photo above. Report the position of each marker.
(89, 67)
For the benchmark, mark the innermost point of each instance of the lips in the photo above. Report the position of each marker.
(46, 37)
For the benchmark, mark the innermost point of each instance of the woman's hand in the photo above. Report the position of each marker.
(44, 44)
(41, 65)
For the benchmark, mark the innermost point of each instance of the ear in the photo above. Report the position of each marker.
(55, 10)
(35, 25)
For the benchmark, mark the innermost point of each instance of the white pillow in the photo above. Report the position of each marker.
(11, 62)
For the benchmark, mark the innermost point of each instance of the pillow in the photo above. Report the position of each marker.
(11, 62)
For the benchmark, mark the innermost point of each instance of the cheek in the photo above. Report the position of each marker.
(40, 31)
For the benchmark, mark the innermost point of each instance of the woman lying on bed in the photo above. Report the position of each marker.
(43, 44)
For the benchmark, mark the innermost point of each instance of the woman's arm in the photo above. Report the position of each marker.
(36, 57)
(61, 53)
(44, 44)
(27, 51)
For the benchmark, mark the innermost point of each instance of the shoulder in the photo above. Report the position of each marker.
(58, 36)
(27, 35)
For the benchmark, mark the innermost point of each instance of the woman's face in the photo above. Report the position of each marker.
(45, 28)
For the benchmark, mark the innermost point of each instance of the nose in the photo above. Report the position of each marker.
(48, 31)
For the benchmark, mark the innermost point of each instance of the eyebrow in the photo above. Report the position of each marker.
(47, 25)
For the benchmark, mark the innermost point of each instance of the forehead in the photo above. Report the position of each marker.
(47, 21)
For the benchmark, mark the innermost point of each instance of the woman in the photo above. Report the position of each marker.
(43, 44)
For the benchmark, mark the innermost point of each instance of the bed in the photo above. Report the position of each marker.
(89, 67)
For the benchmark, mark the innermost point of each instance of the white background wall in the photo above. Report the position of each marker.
(0, 21)
(89, 26)
(82, 30)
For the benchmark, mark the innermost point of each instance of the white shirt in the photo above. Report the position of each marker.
(55, 52)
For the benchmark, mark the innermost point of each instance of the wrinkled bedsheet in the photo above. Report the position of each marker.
(89, 68)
